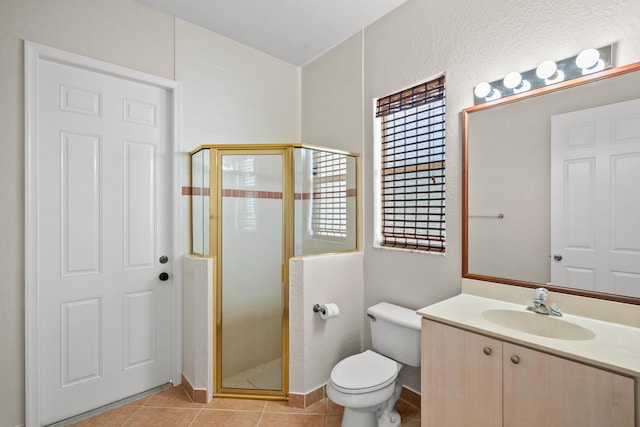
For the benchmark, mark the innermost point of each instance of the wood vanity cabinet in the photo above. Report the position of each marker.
(472, 380)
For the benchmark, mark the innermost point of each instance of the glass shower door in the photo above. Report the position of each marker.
(251, 258)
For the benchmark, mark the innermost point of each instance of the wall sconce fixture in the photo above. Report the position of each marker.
(547, 73)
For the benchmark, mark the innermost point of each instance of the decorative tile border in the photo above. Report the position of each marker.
(255, 194)
(252, 194)
(195, 191)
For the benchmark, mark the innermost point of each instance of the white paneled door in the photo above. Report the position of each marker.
(103, 226)
(595, 199)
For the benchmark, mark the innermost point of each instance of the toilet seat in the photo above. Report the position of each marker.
(364, 372)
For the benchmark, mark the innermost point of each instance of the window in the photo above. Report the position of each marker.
(412, 174)
(329, 211)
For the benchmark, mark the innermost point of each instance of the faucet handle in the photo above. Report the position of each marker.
(541, 294)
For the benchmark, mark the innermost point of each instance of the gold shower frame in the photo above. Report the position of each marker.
(215, 248)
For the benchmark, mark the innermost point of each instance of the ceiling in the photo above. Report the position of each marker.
(296, 31)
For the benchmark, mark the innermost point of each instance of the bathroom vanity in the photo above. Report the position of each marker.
(486, 361)
(529, 220)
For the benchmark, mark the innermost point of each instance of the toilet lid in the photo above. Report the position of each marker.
(364, 372)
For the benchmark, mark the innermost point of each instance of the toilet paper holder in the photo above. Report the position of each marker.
(327, 311)
(319, 308)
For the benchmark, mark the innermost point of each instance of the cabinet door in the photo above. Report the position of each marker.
(461, 383)
(540, 389)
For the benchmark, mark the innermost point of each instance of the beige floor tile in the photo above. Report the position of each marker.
(174, 397)
(333, 408)
(160, 417)
(333, 421)
(218, 418)
(291, 420)
(141, 401)
(173, 408)
(114, 417)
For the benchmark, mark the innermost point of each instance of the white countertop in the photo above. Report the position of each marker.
(615, 346)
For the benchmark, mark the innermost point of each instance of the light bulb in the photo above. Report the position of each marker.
(512, 80)
(548, 70)
(588, 58)
(482, 90)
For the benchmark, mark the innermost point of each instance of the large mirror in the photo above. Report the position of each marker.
(551, 187)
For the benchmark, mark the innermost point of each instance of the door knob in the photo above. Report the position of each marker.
(487, 350)
(557, 257)
(515, 359)
(164, 276)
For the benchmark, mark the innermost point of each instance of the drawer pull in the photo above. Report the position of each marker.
(515, 360)
(487, 350)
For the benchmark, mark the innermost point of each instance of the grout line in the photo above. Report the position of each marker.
(132, 415)
(264, 408)
(196, 417)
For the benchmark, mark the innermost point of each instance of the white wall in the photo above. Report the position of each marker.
(95, 28)
(332, 98)
(471, 42)
(316, 345)
(197, 322)
(231, 94)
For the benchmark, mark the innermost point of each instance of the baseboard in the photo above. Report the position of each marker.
(308, 399)
(198, 395)
(301, 401)
(411, 397)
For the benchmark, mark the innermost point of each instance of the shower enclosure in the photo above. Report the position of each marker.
(253, 208)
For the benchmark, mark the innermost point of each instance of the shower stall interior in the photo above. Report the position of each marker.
(253, 208)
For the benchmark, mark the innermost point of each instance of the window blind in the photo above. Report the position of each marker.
(413, 167)
(329, 211)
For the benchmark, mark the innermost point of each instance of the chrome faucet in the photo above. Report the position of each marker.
(540, 306)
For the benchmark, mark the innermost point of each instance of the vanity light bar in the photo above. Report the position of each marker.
(547, 73)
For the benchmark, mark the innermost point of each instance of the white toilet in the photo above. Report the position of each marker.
(367, 384)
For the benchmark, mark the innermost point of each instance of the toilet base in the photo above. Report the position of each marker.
(390, 420)
(359, 418)
(387, 414)
(382, 416)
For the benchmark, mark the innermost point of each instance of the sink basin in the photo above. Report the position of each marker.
(538, 324)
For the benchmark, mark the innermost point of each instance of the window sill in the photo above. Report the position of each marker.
(416, 251)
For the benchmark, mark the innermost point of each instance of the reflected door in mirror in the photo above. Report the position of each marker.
(595, 199)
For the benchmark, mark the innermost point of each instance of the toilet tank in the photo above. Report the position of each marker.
(395, 332)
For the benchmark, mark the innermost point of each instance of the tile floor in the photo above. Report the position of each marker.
(173, 408)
